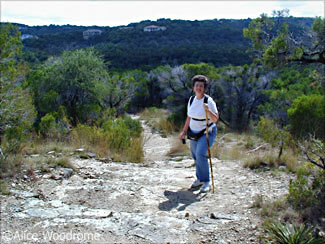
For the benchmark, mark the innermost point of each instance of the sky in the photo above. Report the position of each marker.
(116, 13)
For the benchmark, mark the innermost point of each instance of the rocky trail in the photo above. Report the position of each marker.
(145, 202)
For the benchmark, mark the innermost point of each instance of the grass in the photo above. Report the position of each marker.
(135, 153)
(43, 146)
(269, 160)
(3, 188)
(292, 234)
(179, 149)
(223, 151)
(11, 165)
(157, 119)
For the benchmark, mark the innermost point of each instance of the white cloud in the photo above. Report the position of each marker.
(113, 13)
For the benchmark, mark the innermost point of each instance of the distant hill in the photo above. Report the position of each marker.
(219, 42)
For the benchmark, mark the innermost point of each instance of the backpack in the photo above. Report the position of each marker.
(206, 101)
(190, 134)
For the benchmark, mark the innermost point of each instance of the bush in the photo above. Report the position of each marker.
(121, 136)
(307, 116)
(271, 160)
(261, 161)
(160, 120)
(10, 164)
(120, 132)
(307, 193)
(284, 234)
(47, 125)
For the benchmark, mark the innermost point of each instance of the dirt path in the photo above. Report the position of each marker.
(137, 203)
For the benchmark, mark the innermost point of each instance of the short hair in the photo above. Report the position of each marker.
(200, 78)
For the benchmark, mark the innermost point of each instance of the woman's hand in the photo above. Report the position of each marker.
(214, 117)
(182, 135)
(206, 107)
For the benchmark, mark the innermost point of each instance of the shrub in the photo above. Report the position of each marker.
(47, 125)
(307, 116)
(135, 152)
(260, 161)
(161, 120)
(307, 193)
(3, 188)
(284, 234)
(10, 164)
(121, 137)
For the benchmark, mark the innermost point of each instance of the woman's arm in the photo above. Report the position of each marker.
(187, 123)
(214, 117)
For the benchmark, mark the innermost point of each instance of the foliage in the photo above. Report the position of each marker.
(69, 81)
(284, 234)
(55, 125)
(120, 136)
(314, 151)
(115, 91)
(239, 91)
(290, 84)
(211, 41)
(175, 84)
(319, 28)
(274, 135)
(307, 116)
(307, 192)
(16, 110)
(271, 133)
(278, 41)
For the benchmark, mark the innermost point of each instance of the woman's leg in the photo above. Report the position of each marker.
(193, 145)
(202, 164)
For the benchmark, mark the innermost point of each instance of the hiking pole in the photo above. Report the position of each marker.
(207, 133)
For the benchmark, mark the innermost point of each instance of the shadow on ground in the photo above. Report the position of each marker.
(179, 199)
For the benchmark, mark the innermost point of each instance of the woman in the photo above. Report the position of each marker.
(196, 122)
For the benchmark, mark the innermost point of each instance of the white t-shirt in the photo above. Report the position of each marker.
(196, 110)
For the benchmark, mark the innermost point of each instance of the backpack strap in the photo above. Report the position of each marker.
(206, 99)
(192, 99)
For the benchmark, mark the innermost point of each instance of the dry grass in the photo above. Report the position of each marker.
(157, 120)
(44, 146)
(227, 149)
(270, 160)
(255, 161)
(179, 149)
(11, 165)
(135, 153)
(3, 188)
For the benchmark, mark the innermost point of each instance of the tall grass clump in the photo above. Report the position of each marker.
(292, 234)
(159, 120)
(307, 194)
(120, 137)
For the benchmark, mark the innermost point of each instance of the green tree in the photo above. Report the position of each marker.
(69, 81)
(290, 84)
(274, 135)
(276, 45)
(307, 116)
(16, 110)
(115, 91)
(242, 92)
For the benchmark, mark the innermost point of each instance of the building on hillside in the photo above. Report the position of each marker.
(90, 33)
(126, 28)
(150, 28)
(27, 36)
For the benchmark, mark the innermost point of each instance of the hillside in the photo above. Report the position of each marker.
(219, 42)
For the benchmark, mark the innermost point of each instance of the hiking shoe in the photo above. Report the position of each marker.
(196, 183)
(205, 187)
